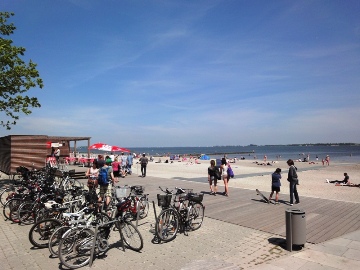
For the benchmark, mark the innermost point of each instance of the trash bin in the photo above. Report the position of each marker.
(295, 228)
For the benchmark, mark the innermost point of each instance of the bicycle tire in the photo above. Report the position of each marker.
(42, 230)
(167, 225)
(4, 194)
(196, 216)
(101, 218)
(9, 205)
(26, 213)
(75, 247)
(55, 239)
(14, 211)
(71, 183)
(131, 236)
(144, 207)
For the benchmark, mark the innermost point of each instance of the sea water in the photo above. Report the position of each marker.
(338, 153)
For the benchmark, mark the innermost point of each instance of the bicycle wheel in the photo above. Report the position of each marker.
(167, 225)
(196, 216)
(143, 207)
(11, 205)
(41, 231)
(26, 213)
(6, 194)
(74, 183)
(55, 240)
(131, 236)
(101, 218)
(75, 247)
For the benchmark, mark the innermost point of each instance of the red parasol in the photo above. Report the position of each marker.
(106, 147)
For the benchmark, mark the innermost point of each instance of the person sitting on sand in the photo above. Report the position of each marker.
(346, 180)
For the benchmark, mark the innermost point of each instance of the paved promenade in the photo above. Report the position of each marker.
(223, 242)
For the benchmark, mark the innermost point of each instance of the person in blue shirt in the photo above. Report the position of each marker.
(275, 185)
(129, 162)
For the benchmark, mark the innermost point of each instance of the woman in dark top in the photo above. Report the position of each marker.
(212, 178)
(275, 185)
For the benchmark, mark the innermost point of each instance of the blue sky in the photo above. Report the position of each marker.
(192, 73)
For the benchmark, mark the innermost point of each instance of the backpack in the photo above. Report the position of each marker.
(230, 172)
(103, 176)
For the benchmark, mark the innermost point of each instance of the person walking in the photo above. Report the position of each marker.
(293, 182)
(143, 161)
(275, 185)
(129, 162)
(225, 176)
(212, 178)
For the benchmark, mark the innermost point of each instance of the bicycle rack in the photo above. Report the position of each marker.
(155, 239)
(94, 243)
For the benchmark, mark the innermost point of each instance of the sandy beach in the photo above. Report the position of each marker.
(249, 175)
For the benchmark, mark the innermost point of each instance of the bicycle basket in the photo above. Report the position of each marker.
(138, 190)
(196, 197)
(164, 200)
(121, 192)
(124, 205)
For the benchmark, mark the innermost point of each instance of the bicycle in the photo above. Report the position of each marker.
(185, 214)
(77, 244)
(139, 202)
(42, 230)
(67, 182)
(86, 216)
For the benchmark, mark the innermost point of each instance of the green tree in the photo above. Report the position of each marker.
(16, 77)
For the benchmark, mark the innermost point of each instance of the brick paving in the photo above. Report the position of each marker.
(216, 245)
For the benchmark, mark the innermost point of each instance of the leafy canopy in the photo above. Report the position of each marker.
(16, 77)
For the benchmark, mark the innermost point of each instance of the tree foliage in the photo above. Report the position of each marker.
(16, 77)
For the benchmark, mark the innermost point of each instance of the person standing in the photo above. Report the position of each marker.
(123, 162)
(143, 161)
(212, 178)
(275, 185)
(327, 160)
(116, 167)
(52, 152)
(105, 189)
(92, 174)
(57, 155)
(293, 182)
(129, 162)
(225, 176)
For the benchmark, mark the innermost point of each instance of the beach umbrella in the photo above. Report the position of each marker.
(119, 149)
(106, 147)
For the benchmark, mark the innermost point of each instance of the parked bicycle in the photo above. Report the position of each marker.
(183, 213)
(75, 248)
(138, 201)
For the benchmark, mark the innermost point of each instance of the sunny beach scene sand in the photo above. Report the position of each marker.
(249, 175)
